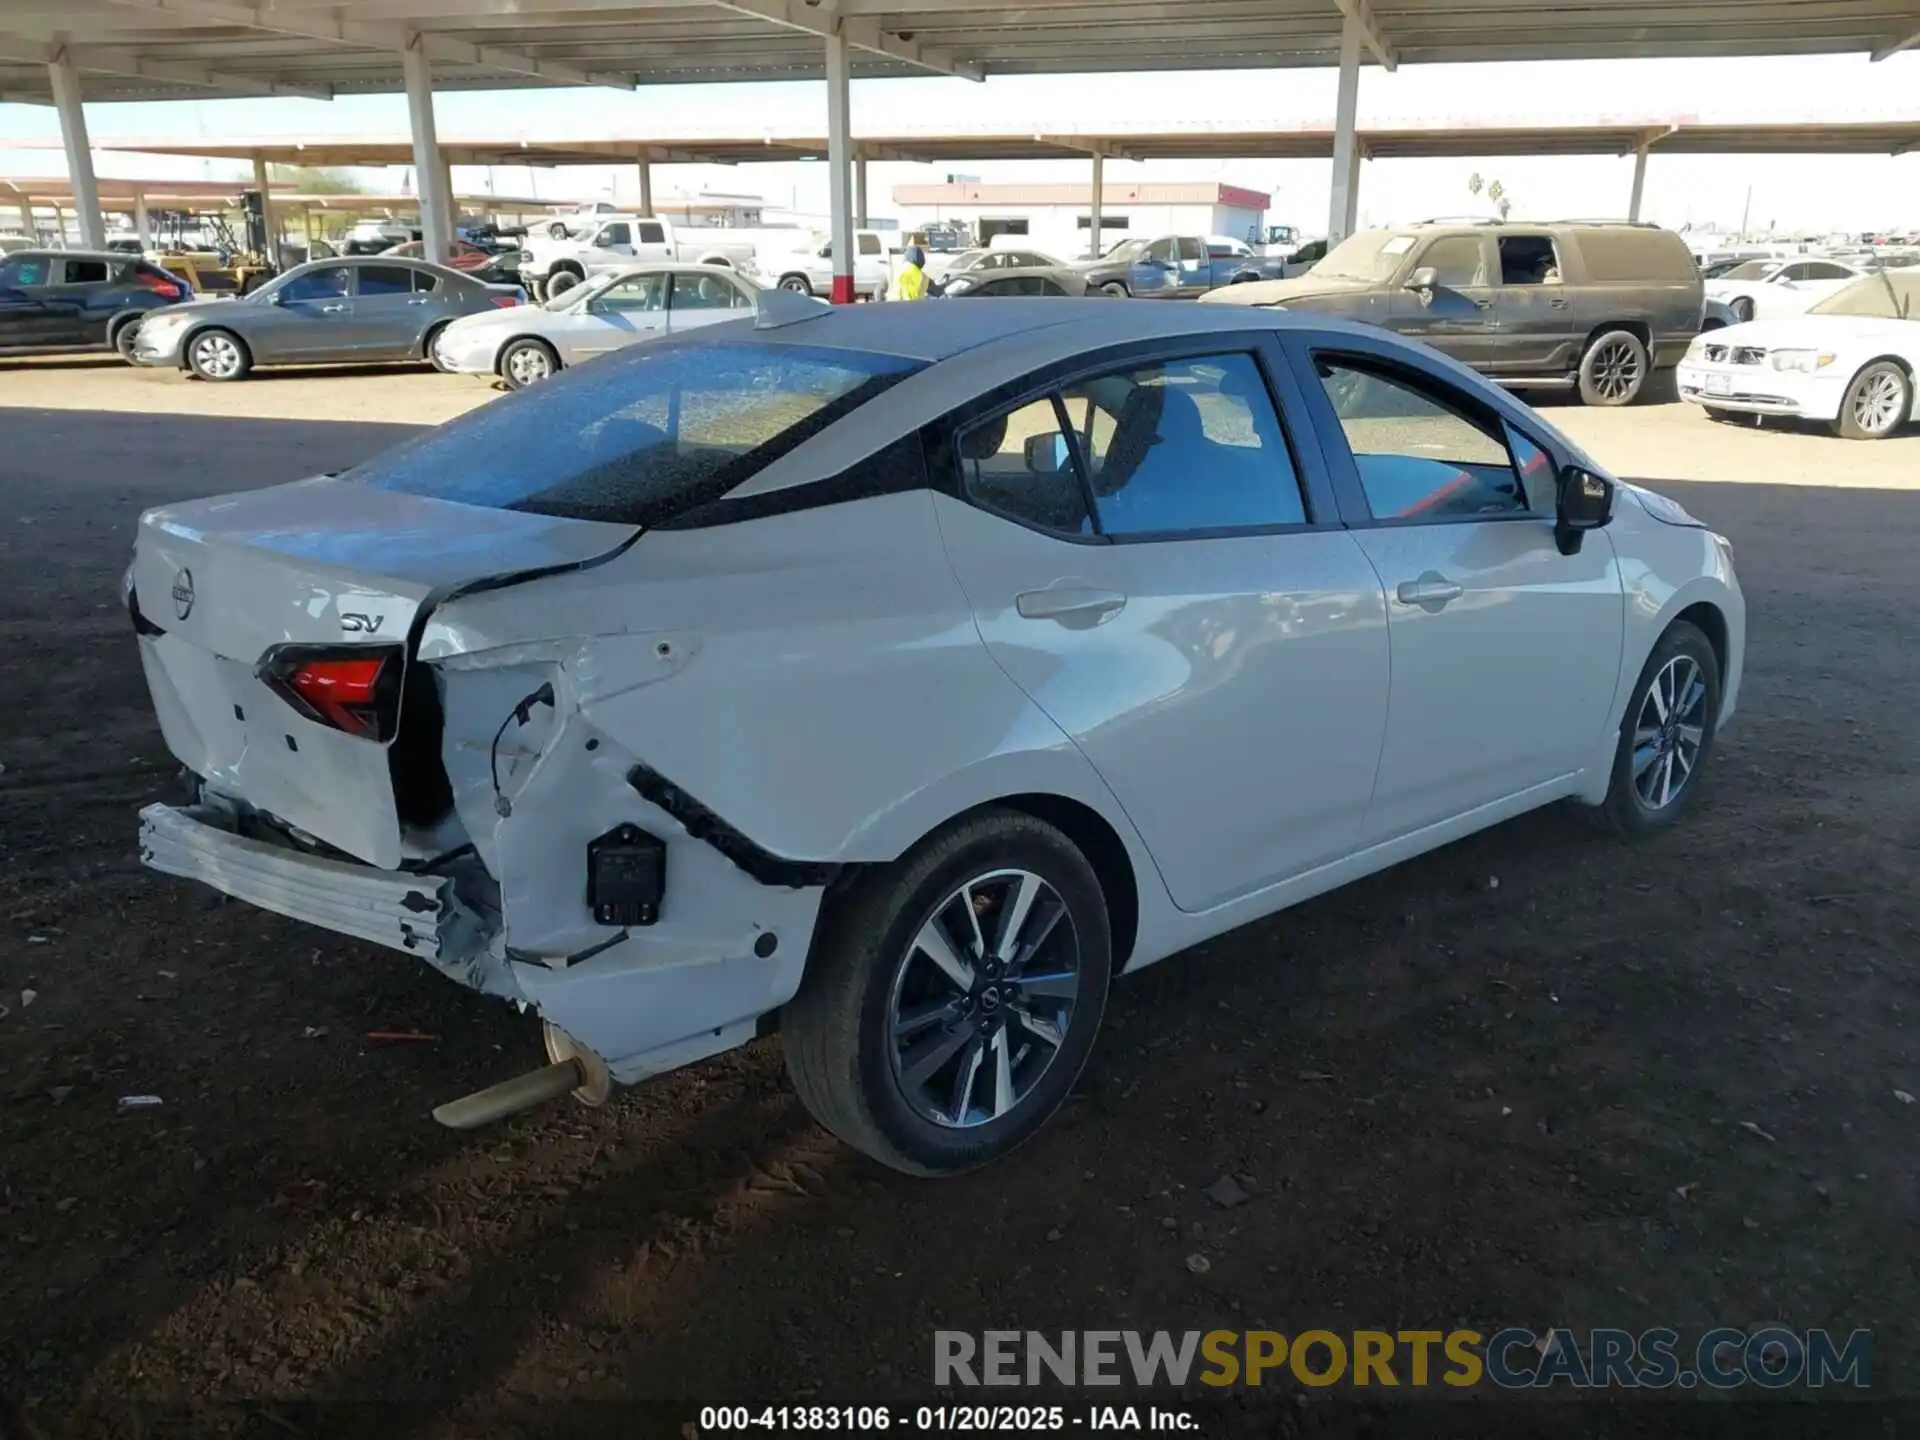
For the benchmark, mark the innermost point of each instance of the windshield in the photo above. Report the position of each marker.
(1750, 270)
(1371, 255)
(1125, 250)
(640, 435)
(1885, 296)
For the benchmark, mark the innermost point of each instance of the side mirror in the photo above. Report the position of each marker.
(1425, 278)
(1584, 501)
(1048, 454)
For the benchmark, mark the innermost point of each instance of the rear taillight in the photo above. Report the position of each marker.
(352, 689)
(505, 302)
(163, 285)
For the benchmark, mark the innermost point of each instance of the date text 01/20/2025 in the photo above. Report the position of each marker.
(961, 1419)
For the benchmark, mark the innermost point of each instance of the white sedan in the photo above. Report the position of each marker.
(1759, 289)
(607, 313)
(1849, 361)
(895, 676)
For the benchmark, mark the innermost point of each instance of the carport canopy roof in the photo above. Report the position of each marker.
(159, 49)
(1410, 139)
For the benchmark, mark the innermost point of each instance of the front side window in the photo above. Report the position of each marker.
(1020, 465)
(326, 284)
(1528, 260)
(870, 245)
(1190, 250)
(1419, 457)
(706, 292)
(1826, 270)
(632, 294)
(612, 235)
(1457, 261)
(1161, 251)
(377, 280)
(640, 435)
(1184, 446)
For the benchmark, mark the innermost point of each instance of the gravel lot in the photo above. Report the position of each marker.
(1625, 1085)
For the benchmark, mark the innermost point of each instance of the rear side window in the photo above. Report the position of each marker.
(1528, 260)
(652, 233)
(85, 272)
(706, 292)
(640, 435)
(424, 281)
(1419, 457)
(377, 280)
(1638, 254)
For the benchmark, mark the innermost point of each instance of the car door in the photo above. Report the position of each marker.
(694, 300)
(1193, 270)
(308, 317)
(1456, 314)
(26, 320)
(388, 315)
(650, 241)
(612, 247)
(869, 261)
(1154, 564)
(1155, 272)
(631, 308)
(1505, 652)
(1535, 323)
(78, 295)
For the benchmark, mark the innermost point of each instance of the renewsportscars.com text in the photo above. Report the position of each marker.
(1770, 1357)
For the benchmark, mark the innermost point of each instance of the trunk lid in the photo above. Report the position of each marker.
(219, 583)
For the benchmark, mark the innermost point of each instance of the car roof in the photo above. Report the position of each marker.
(935, 330)
(53, 252)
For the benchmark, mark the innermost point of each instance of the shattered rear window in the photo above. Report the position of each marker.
(638, 436)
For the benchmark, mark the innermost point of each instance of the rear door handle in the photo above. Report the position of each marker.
(1431, 592)
(1078, 607)
(419, 300)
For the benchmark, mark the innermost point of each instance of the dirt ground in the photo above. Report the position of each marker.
(1540, 1077)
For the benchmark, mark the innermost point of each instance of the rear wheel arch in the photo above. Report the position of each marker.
(1639, 329)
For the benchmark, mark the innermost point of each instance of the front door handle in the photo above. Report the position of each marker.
(331, 309)
(1483, 304)
(419, 300)
(1558, 302)
(1432, 592)
(1078, 607)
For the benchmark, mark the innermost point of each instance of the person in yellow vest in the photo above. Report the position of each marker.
(910, 282)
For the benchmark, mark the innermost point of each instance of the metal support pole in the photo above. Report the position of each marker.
(448, 205)
(840, 164)
(1353, 189)
(860, 192)
(65, 80)
(142, 222)
(1093, 210)
(271, 251)
(1345, 115)
(644, 167)
(1639, 183)
(434, 224)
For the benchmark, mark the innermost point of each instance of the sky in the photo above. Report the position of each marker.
(1804, 193)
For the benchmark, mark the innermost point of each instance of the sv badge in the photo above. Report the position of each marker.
(362, 624)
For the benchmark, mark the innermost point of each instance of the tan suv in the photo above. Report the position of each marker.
(1597, 305)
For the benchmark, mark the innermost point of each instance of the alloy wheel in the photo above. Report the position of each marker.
(217, 356)
(1877, 403)
(528, 365)
(1668, 733)
(981, 1002)
(1616, 369)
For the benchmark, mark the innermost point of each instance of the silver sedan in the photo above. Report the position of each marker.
(360, 308)
(607, 313)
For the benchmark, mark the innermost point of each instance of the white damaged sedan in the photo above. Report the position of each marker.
(608, 313)
(1850, 361)
(893, 677)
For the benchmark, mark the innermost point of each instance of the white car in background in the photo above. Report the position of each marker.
(607, 313)
(1758, 289)
(1850, 361)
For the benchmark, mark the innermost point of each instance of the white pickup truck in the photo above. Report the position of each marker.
(805, 265)
(558, 256)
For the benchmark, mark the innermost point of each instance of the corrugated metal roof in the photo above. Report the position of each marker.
(1146, 193)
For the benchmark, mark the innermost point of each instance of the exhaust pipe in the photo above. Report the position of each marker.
(510, 1097)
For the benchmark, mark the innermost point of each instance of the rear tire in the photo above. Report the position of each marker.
(219, 356)
(528, 362)
(1666, 735)
(1877, 403)
(798, 284)
(996, 1053)
(1614, 369)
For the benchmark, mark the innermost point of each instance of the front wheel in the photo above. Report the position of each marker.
(1743, 309)
(528, 362)
(1876, 404)
(1667, 735)
(218, 355)
(1114, 289)
(798, 284)
(952, 997)
(125, 338)
(1614, 369)
(559, 282)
